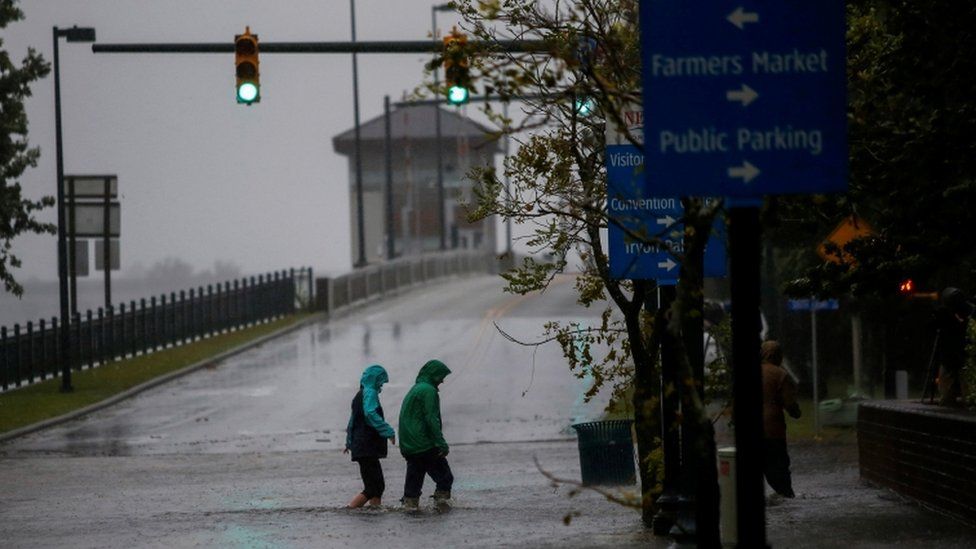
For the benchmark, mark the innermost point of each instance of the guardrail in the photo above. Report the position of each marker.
(358, 287)
(35, 354)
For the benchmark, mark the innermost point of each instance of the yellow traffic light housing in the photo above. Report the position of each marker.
(248, 89)
(456, 66)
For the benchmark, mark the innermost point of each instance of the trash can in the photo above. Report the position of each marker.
(606, 451)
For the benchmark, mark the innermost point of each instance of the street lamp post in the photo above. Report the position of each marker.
(74, 34)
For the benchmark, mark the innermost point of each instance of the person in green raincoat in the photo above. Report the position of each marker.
(367, 434)
(421, 440)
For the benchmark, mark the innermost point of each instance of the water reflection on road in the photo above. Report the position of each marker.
(293, 393)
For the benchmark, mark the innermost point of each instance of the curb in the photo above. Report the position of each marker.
(132, 391)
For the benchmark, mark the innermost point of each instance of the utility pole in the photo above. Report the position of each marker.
(360, 222)
(388, 156)
(441, 216)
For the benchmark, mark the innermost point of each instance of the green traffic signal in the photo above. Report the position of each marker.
(247, 92)
(457, 95)
(585, 106)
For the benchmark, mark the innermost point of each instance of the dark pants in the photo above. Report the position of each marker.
(427, 463)
(372, 473)
(776, 466)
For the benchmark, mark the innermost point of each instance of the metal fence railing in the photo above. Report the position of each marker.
(333, 294)
(33, 353)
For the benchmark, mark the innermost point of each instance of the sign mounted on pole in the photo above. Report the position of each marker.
(88, 187)
(747, 99)
(113, 248)
(849, 229)
(80, 258)
(645, 231)
(90, 219)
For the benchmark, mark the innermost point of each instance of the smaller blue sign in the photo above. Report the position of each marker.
(645, 233)
(809, 304)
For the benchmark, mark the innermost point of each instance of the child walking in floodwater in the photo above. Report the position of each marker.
(367, 434)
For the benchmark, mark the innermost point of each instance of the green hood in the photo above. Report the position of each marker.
(420, 413)
(433, 372)
(374, 377)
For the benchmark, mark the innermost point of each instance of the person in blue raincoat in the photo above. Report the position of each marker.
(367, 434)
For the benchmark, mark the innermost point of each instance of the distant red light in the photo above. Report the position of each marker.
(907, 287)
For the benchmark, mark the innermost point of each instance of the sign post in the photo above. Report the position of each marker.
(646, 237)
(94, 214)
(813, 306)
(743, 100)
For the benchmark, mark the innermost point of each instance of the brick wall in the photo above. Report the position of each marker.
(921, 451)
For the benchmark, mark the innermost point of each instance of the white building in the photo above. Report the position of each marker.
(464, 144)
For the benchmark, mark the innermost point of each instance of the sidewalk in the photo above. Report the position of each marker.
(834, 508)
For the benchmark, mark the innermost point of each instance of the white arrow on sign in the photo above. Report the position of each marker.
(667, 220)
(740, 17)
(746, 171)
(745, 95)
(669, 264)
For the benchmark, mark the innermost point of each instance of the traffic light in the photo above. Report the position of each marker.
(907, 287)
(908, 290)
(584, 106)
(456, 68)
(248, 88)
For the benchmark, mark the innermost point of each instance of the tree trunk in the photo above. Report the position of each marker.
(647, 422)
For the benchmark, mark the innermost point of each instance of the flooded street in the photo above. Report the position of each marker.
(248, 453)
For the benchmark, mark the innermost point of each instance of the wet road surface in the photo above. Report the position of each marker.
(248, 453)
(293, 393)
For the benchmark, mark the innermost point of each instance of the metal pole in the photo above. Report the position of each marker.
(62, 240)
(813, 353)
(745, 261)
(856, 351)
(72, 248)
(390, 228)
(437, 144)
(508, 183)
(539, 47)
(106, 241)
(690, 506)
(360, 223)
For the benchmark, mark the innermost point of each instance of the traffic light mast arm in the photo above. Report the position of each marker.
(408, 46)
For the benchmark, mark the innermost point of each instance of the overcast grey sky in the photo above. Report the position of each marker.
(202, 177)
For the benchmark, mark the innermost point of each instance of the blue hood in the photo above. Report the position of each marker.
(374, 377)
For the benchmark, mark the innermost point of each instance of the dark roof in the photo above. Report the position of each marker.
(416, 122)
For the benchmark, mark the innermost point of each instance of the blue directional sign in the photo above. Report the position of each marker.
(645, 232)
(744, 97)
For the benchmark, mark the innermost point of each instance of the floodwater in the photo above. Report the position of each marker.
(248, 453)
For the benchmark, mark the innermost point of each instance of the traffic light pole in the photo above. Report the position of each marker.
(437, 133)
